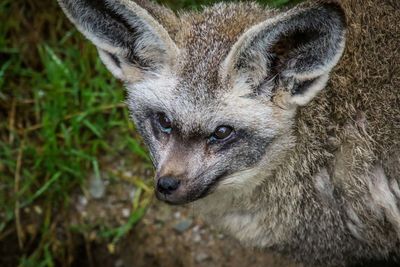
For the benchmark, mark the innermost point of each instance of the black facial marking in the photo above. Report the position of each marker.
(243, 152)
(255, 146)
(155, 126)
(115, 59)
(249, 152)
(209, 188)
(253, 151)
(301, 87)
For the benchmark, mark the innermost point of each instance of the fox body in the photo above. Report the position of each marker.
(244, 117)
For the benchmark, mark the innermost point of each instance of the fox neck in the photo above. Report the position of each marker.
(242, 209)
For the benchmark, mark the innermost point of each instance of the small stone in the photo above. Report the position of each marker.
(196, 228)
(127, 173)
(196, 238)
(38, 210)
(111, 248)
(96, 187)
(132, 193)
(177, 215)
(126, 212)
(41, 93)
(82, 201)
(201, 256)
(119, 263)
(183, 225)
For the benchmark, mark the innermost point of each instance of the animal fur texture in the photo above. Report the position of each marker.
(311, 95)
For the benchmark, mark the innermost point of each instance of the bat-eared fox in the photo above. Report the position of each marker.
(281, 127)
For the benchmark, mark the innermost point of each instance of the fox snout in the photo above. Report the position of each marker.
(184, 174)
(168, 189)
(172, 176)
(172, 187)
(167, 185)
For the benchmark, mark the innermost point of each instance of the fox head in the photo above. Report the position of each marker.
(214, 94)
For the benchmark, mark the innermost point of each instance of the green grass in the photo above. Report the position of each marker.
(60, 113)
(60, 110)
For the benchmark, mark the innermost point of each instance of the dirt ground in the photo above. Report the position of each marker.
(167, 236)
(174, 236)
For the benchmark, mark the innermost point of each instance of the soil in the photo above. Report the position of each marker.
(171, 236)
(167, 236)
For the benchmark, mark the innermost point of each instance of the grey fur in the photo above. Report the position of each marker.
(310, 172)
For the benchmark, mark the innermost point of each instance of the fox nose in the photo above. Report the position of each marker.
(166, 185)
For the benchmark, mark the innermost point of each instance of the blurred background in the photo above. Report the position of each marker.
(75, 179)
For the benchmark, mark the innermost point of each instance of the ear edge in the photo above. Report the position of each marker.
(332, 24)
(164, 15)
(318, 78)
(131, 35)
(112, 63)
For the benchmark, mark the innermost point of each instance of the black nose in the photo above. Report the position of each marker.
(167, 185)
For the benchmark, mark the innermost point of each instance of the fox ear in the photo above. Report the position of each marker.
(131, 43)
(290, 54)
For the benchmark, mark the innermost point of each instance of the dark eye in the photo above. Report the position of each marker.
(221, 133)
(164, 122)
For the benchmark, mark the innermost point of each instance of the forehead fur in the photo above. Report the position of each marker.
(200, 116)
(206, 38)
(193, 94)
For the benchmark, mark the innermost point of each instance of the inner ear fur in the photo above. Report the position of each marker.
(294, 52)
(130, 41)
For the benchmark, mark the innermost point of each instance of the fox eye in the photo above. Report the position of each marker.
(221, 133)
(165, 123)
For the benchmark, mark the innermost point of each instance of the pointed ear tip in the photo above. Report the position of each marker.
(334, 6)
(336, 3)
(62, 2)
